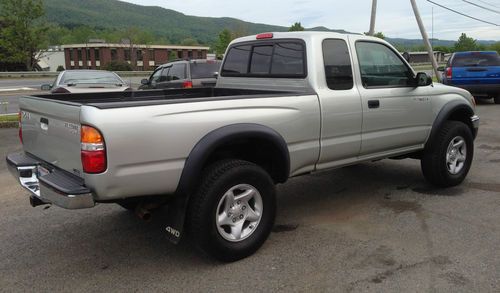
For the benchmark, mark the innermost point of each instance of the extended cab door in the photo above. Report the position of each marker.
(397, 114)
(341, 112)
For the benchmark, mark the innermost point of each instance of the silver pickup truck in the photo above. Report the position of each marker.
(285, 104)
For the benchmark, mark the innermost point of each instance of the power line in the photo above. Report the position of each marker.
(463, 14)
(480, 6)
(487, 3)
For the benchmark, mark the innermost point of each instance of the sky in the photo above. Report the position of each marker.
(395, 18)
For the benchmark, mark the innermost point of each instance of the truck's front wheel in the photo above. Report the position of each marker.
(233, 211)
(447, 161)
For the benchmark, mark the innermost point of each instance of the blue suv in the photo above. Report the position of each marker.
(478, 72)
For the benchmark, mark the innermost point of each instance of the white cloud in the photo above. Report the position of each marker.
(394, 17)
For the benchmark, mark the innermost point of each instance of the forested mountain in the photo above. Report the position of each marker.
(77, 21)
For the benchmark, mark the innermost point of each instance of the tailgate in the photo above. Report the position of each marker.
(476, 75)
(51, 132)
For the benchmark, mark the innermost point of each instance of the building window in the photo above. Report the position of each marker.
(190, 54)
(139, 55)
(71, 58)
(114, 54)
(79, 54)
(179, 54)
(151, 55)
(88, 54)
(96, 55)
(127, 54)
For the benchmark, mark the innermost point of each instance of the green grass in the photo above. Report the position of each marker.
(8, 118)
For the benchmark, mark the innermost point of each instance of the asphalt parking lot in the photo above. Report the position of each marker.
(372, 227)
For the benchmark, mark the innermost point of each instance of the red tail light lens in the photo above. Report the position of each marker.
(448, 72)
(20, 127)
(187, 84)
(94, 161)
(93, 150)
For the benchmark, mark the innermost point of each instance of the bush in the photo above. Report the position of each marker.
(60, 68)
(118, 66)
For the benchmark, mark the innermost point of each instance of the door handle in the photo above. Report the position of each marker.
(373, 104)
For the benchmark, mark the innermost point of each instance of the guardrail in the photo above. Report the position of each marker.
(39, 74)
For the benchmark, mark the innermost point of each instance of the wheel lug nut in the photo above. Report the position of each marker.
(243, 207)
(238, 202)
(234, 220)
(241, 216)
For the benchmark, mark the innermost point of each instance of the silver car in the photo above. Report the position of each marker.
(84, 81)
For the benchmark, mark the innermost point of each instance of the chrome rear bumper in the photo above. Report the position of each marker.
(49, 186)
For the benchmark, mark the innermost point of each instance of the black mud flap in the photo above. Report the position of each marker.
(176, 215)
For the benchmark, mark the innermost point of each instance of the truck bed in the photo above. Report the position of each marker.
(160, 97)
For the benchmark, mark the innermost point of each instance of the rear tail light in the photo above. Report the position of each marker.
(448, 72)
(93, 150)
(60, 90)
(20, 127)
(187, 84)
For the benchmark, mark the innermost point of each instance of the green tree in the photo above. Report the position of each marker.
(225, 37)
(465, 43)
(495, 47)
(118, 66)
(296, 27)
(21, 31)
(189, 42)
(379, 35)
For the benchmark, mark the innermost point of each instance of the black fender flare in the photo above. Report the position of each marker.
(210, 142)
(444, 114)
(195, 162)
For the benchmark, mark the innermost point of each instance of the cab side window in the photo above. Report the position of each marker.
(382, 67)
(338, 69)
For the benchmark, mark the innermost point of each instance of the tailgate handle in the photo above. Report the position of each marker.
(476, 69)
(44, 121)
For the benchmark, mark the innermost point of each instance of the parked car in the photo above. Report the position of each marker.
(84, 81)
(183, 74)
(478, 72)
(286, 104)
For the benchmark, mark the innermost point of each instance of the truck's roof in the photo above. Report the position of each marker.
(305, 35)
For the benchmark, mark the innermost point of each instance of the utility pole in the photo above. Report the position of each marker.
(426, 39)
(371, 32)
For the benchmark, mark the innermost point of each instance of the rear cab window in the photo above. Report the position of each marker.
(337, 61)
(272, 58)
(471, 59)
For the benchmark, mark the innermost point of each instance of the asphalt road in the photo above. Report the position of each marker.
(375, 227)
(13, 88)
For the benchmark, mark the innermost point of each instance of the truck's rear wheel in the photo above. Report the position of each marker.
(448, 160)
(497, 99)
(233, 211)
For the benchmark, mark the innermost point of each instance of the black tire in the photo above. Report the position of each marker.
(203, 208)
(497, 99)
(434, 159)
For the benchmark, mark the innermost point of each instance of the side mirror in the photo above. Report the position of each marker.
(144, 81)
(440, 68)
(423, 79)
(46, 87)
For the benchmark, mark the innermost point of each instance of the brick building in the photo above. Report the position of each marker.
(141, 57)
